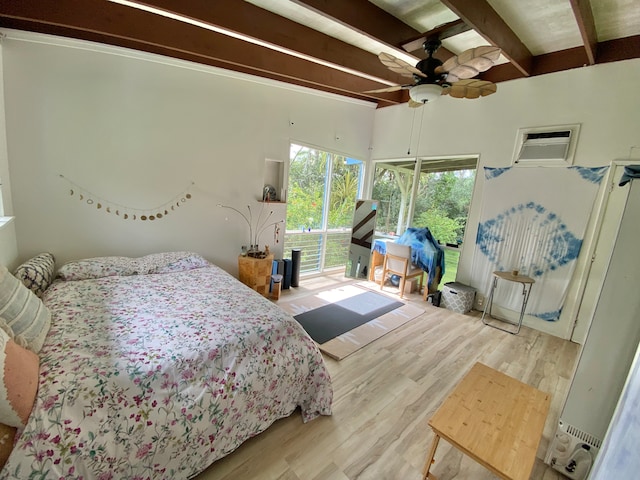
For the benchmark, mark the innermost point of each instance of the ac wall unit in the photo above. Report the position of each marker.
(545, 146)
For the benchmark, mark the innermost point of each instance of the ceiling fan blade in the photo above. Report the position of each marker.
(399, 66)
(487, 51)
(473, 61)
(414, 104)
(450, 77)
(393, 88)
(470, 88)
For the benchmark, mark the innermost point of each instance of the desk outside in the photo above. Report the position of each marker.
(377, 259)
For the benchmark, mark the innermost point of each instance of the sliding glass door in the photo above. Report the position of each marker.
(323, 188)
(423, 192)
(392, 187)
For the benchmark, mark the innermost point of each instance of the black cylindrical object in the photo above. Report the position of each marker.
(295, 267)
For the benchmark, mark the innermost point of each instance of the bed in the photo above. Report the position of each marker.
(156, 367)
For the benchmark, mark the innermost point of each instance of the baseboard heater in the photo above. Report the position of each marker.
(572, 451)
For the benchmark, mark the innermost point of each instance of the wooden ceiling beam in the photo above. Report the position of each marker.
(109, 23)
(484, 20)
(364, 16)
(586, 24)
(609, 51)
(558, 61)
(447, 30)
(114, 24)
(619, 49)
(372, 21)
(240, 17)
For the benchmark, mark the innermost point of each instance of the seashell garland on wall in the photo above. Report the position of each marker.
(125, 212)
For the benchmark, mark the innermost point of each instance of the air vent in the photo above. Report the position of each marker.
(584, 437)
(564, 444)
(545, 146)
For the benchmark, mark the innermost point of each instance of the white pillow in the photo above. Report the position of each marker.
(26, 318)
(98, 267)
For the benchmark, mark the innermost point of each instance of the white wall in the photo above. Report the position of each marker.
(8, 245)
(603, 99)
(136, 130)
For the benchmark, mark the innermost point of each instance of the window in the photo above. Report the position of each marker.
(323, 188)
(433, 193)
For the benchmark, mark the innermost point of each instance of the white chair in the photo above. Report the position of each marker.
(397, 261)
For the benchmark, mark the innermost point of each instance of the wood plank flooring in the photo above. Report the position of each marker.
(385, 394)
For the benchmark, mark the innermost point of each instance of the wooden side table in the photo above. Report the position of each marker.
(494, 419)
(527, 284)
(256, 273)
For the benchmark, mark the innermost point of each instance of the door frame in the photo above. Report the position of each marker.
(606, 227)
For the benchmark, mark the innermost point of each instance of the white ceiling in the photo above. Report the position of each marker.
(332, 45)
(544, 26)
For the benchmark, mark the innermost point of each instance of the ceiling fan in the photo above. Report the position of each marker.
(432, 78)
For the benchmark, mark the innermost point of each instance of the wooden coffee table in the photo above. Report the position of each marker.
(494, 419)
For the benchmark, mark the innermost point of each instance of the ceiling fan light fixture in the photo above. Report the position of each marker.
(425, 92)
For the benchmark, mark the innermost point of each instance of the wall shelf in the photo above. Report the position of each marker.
(274, 177)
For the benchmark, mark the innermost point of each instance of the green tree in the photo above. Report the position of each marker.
(443, 228)
(306, 188)
(392, 188)
(441, 204)
(344, 190)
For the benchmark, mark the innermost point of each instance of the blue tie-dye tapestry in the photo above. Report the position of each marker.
(533, 220)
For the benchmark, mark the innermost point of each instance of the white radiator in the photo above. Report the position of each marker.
(572, 451)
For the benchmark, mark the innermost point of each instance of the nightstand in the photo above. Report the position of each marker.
(256, 273)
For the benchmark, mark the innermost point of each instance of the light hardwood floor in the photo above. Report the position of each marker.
(385, 394)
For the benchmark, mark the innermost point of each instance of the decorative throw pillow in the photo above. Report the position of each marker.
(37, 273)
(98, 267)
(26, 318)
(19, 368)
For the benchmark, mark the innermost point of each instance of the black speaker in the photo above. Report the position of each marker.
(286, 281)
(295, 267)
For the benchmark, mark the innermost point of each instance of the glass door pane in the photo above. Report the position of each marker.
(392, 187)
(442, 204)
(346, 178)
(441, 200)
(323, 188)
(307, 181)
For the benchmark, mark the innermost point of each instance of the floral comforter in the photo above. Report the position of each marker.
(157, 375)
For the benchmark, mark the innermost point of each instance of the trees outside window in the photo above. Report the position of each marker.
(323, 188)
(438, 198)
(442, 204)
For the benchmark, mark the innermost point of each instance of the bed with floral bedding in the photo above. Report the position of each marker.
(155, 367)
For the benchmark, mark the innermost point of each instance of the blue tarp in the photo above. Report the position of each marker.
(425, 251)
